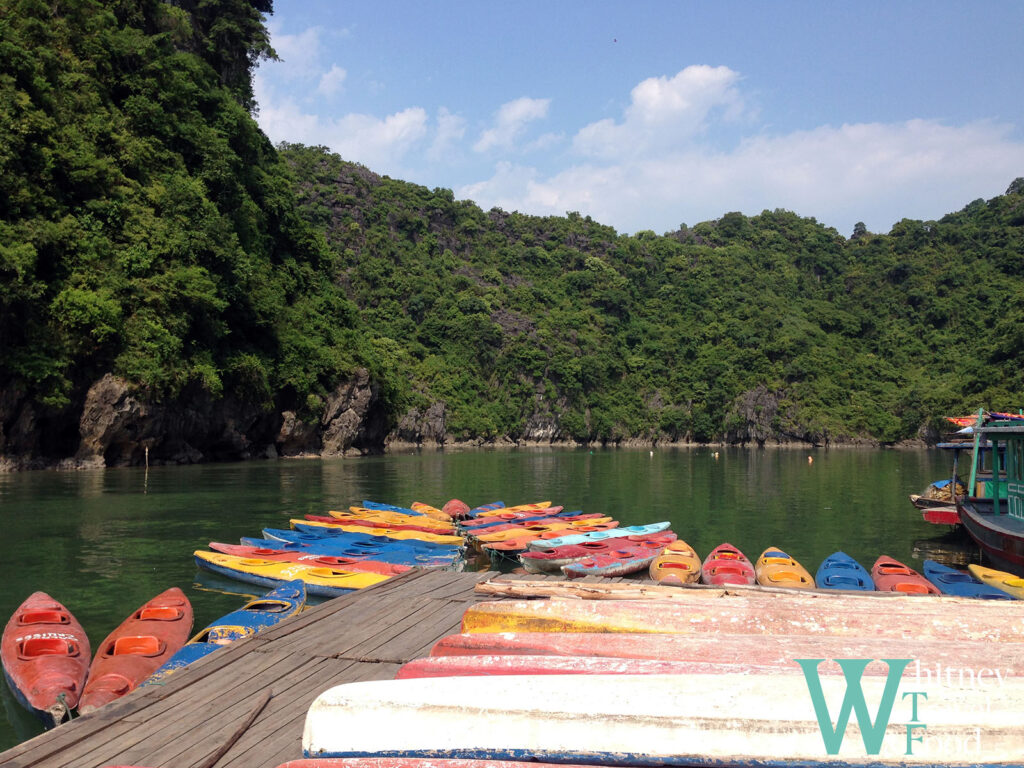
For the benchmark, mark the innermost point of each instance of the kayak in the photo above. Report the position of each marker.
(504, 517)
(455, 508)
(329, 561)
(432, 512)
(285, 601)
(552, 559)
(677, 564)
(641, 720)
(523, 664)
(1007, 582)
(378, 506)
(137, 648)
(514, 530)
(497, 508)
(891, 575)
(45, 656)
(629, 558)
(319, 580)
(840, 571)
(775, 568)
(950, 581)
(579, 538)
(360, 550)
(375, 524)
(362, 540)
(309, 526)
(516, 544)
(392, 519)
(727, 565)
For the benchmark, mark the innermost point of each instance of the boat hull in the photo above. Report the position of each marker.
(775, 568)
(139, 646)
(323, 582)
(840, 571)
(1006, 582)
(950, 581)
(999, 537)
(45, 656)
(727, 565)
(891, 575)
(328, 561)
(677, 564)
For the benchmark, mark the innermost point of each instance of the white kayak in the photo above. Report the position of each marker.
(614, 533)
(680, 720)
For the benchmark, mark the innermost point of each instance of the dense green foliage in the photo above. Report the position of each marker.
(505, 317)
(148, 228)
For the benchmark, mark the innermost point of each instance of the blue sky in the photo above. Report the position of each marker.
(646, 115)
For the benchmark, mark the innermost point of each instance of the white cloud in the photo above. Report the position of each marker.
(510, 123)
(331, 81)
(450, 130)
(299, 53)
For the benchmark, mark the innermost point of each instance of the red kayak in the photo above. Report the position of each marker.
(519, 543)
(137, 648)
(328, 561)
(552, 560)
(629, 557)
(727, 565)
(891, 575)
(456, 509)
(45, 654)
(522, 664)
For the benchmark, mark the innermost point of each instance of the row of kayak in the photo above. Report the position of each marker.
(50, 668)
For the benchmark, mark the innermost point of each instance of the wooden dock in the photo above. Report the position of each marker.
(188, 721)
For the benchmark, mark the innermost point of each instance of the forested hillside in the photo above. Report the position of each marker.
(170, 282)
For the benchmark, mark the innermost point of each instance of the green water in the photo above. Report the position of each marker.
(104, 542)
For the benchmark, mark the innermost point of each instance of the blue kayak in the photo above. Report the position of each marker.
(360, 539)
(376, 505)
(486, 508)
(278, 604)
(950, 581)
(361, 550)
(840, 571)
(614, 533)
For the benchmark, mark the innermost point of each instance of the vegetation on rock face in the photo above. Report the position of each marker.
(149, 229)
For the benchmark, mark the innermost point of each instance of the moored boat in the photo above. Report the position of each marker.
(840, 571)
(677, 564)
(727, 565)
(950, 581)
(280, 603)
(1009, 583)
(774, 568)
(319, 580)
(354, 564)
(139, 646)
(45, 656)
(890, 575)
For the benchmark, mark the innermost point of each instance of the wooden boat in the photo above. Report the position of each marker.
(320, 581)
(1007, 582)
(891, 575)
(45, 656)
(840, 571)
(703, 611)
(552, 559)
(522, 664)
(309, 526)
(950, 581)
(361, 549)
(391, 519)
(353, 564)
(717, 651)
(677, 564)
(579, 538)
(727, 565)
(284, 601)
(137, 648)
(363, 541)
(775, 568)
(644, 720)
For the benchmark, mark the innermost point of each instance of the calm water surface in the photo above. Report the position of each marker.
(103, 542)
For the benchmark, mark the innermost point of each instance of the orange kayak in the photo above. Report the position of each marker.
(677, 564)
(890, 575)
(774, 568)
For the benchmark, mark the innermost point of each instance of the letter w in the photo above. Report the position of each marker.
(871, 732)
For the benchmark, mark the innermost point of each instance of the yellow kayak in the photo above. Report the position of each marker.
(428, 511)
(355, 514)
(390, 533)
(1007, 582)
(326, 582)
(774, 568)
(677, 564)
(518, 530)
(539, 506)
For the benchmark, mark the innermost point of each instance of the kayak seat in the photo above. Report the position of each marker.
(160, 613)
(911, 588)
(139, 645)
(44, 616)
(35, 647)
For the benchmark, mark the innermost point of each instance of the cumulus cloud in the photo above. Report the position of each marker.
(331, 81)
(450, 130)
(299, 53)
(510, 123)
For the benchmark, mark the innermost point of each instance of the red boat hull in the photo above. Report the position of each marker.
(327, 561)
(941, 515)
(137, 648)
(727, 565)
(45, 654)
(891, 575)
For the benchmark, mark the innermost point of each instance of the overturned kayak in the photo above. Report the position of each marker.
(648, 720)
(139, 646)
(45, 654)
